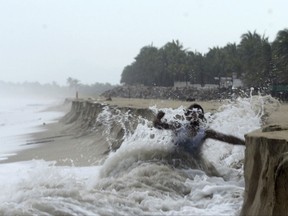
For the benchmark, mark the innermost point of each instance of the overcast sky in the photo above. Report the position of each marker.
(93, 40)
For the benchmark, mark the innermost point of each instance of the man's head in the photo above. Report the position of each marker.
(194, 113)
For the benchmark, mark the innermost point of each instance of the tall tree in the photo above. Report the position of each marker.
(145, 68)
(280, 57)
(128, 75)
(147, 64)
(199, 68)
(232, 61)
(174, 61)
(215, 64)
(73, 83)
(254, 53)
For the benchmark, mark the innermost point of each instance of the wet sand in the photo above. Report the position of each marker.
(60, 142)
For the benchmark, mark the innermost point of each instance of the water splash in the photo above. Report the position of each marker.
(236, 117)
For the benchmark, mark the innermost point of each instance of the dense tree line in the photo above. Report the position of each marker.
(255, 60)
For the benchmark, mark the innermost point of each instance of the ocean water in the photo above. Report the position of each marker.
(140, 178)
(21, 116)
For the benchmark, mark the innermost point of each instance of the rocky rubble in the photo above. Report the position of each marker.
(173, 93)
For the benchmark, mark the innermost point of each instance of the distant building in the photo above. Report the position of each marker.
(182, 84)
(179, 84)
(228, 82)
(223, 82)
(237, 83)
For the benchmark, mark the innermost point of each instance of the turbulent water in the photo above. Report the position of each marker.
(144, 176)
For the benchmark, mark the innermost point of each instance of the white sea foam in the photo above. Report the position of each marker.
(136, 179)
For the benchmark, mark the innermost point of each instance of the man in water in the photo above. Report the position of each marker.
(191, 135)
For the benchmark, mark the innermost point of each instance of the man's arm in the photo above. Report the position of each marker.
(224, 138)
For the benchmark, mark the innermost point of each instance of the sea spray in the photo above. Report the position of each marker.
(237, 118)
(116, 125)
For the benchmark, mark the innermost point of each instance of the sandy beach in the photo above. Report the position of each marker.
(63, 144)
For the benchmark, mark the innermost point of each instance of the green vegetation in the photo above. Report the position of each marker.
(255, 60)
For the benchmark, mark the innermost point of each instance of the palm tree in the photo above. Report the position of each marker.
(73, 83)
(216, 64)
(174, 58)
(255, 56)
(232, 61)
(280, 56)
(147, 65)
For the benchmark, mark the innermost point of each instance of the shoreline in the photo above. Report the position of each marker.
(58, 142)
